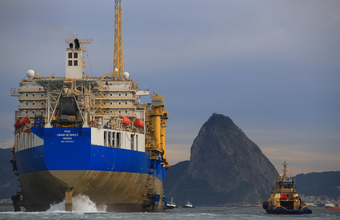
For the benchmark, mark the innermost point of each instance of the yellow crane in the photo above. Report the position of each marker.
(118, 42)
(155, 116)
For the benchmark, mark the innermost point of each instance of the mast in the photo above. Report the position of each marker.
(118, 41)
(284, 170)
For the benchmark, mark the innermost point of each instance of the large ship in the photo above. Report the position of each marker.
(330, 205)
(83, 135)
(284, 198)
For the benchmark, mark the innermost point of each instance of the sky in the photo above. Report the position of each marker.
(273, 67)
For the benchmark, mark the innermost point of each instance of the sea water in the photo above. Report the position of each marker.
(84, 208)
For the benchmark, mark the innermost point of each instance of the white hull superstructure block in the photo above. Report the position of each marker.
(73, 63)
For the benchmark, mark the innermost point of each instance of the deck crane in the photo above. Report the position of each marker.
(118, 41)
(155, 115)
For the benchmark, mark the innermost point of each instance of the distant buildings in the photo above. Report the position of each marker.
(319, 200)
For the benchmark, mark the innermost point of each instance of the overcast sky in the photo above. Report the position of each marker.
(273, 67)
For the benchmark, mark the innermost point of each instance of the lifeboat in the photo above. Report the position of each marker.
(138, 123)
(17, 123)
(125, 121)
(24, 121)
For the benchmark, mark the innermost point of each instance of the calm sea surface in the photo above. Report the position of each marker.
(177, 213)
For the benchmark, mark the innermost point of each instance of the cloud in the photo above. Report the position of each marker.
(272, 66)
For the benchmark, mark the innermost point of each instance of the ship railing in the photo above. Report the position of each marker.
(116, 98)
(32, 90)
(33, 98)
(43, 107)
(115, 115)
(115, 107)
(14, 92)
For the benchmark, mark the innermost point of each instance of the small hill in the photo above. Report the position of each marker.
(226, 168)
(319, 184)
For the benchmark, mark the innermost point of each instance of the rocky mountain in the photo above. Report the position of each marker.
(226, 168)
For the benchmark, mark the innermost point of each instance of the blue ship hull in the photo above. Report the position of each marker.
(282, 210)
(121, 179)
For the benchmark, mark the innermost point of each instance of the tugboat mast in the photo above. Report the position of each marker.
(284, 171)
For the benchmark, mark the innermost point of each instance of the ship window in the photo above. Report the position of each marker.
(110, 111)
(69, 55)
(132, 142)
(119, 112)
(119, 94)
(119, 103)
(75, 55)
(75, 63)
(26, 103)
(26, 112)
(113, 139)
(33, 94)
(70, 62)
(125, 103)
(109, 138)
(287, 186)
(118, 140)
(136, 142)
(125, 94)
(125, 111)
(33, 112)
(42, 103)
(42, 94)
(26, 95)
(105, 135)
(33, 103)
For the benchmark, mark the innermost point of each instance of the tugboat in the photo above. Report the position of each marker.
(171, 204)
(284, 198)
(188, 205)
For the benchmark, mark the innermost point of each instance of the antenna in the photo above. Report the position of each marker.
(284, 170)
